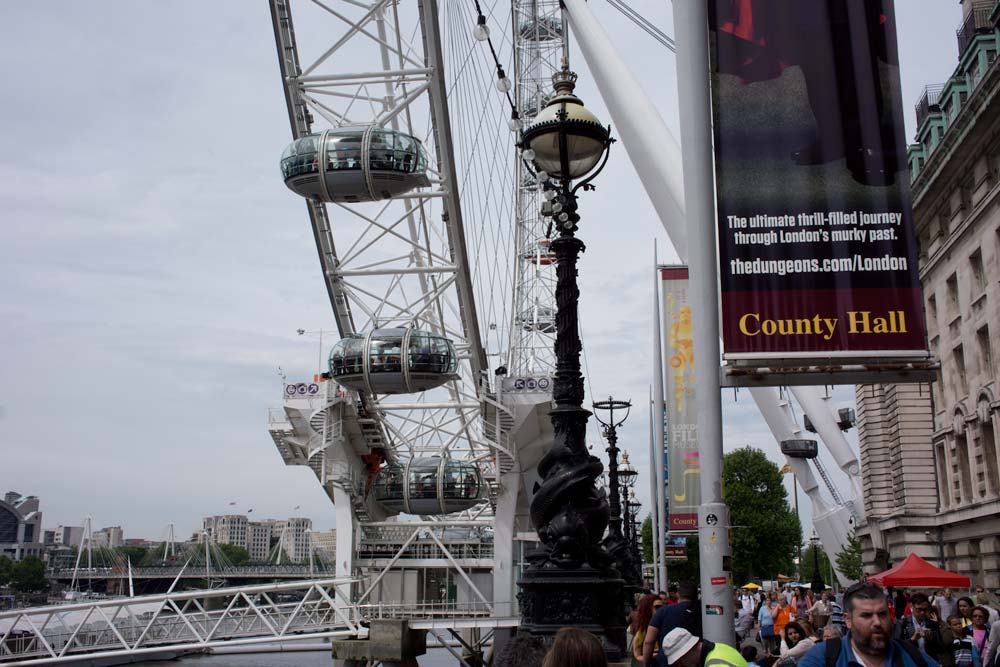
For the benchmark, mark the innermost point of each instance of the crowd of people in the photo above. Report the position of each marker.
(864, 626)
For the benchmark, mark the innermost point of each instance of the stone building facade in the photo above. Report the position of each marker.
(933, 485)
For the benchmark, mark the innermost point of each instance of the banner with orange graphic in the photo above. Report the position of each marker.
(681, 427)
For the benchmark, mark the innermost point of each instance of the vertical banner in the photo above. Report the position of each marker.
(817, 250)
(681, 428)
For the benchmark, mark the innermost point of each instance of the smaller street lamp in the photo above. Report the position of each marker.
(816, 584)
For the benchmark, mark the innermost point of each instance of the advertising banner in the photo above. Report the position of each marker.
(817, 251)
(675, 549)
(681, 427)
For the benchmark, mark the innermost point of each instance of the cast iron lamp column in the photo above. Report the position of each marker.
(628, 476)
(615, 542)
(571, 580)
(817, 585)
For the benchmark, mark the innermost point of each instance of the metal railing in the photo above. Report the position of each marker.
(188, 620)
(978, 22)
(930, 102)
(423, 610)
(192, 572)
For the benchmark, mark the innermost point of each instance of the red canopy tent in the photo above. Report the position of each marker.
(916, 572)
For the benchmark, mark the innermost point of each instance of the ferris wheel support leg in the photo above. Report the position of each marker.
(820, 415)
(832, 524)
(651, 147)
(504, 526)
(346, 526)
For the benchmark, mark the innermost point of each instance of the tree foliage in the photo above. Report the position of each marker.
(849, 559)
(135, 555)
(767, 532)
(28, 575)
(235, 554)
(806, 567)
(6, 569)
(647, 539)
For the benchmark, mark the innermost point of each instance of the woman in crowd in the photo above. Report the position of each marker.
(965, 605)
(576, 648)
(781, 615)
(980, 628)
(820, 612)
(801, 602)
(796, 642)
(766, 620)
(640, 621)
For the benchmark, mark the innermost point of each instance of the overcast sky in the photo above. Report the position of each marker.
(155, 269)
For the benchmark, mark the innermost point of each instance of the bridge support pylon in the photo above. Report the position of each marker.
(392, 642)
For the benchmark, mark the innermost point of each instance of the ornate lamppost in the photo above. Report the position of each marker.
(571, 579)
(615, 541)
(817, 585)
(633, 508)
(628, 476)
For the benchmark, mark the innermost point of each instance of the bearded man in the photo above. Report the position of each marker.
(868, 642)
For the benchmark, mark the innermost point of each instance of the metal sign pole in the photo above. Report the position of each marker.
(693, 84)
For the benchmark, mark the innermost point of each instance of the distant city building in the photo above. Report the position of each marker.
(932, 485)
(20, 526)
(69, 536)
(258, 541)
(259, 538)
(325, 544)
(110, 537)
(293, 535)
(226, 529)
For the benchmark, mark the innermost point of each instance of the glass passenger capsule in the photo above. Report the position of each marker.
(800, 448)
(543, 29)
(540, 254)
(393, 361)
(431, 485)
(540, 318)
(354, 164)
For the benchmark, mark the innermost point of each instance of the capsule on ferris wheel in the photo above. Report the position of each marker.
(539, 253)
(542, 29)
(354, 164)
(430, 485)
(393, 361)
(538, 318)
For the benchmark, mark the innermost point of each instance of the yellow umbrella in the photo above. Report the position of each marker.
(751, 585)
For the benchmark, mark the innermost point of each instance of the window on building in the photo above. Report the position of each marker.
(932, 312)
(985, 350)
(941, 462)
(978, 274)
(988, 442)
(961, 379)
(952, 286)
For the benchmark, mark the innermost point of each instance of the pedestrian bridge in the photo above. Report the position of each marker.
(174, 571)
(206, 619)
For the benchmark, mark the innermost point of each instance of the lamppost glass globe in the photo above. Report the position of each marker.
(481, 32)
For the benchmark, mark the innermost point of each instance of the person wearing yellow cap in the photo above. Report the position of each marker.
(682, 649)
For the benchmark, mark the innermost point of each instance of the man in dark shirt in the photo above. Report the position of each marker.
(685, 614)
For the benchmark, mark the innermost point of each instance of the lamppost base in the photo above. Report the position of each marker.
(583, 598)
